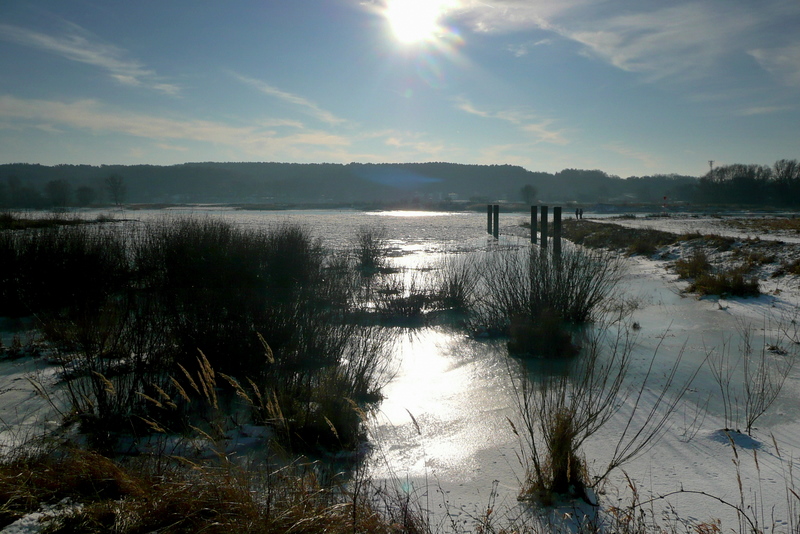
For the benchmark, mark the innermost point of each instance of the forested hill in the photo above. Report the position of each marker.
(325, 182)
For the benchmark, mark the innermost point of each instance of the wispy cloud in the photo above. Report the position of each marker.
(413, 142)
(165, 146)
(782, 62)
(762, 110)
(541, 129)
(503, 16)
(524, 49)
(308, 107)
(647, 159)
(76, 44)
(685, 38)
(262, 139)
(92, 116)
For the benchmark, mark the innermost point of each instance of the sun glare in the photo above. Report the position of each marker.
(414, 21)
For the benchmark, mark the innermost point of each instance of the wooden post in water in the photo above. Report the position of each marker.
(489, 219)
(557, 231)
(496, 221)
(534, 215)
(543, 229)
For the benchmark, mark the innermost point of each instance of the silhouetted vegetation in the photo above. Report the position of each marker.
(407, 184)
(184, 325)
(752, 184)
(443, 185)
(538, 299)
(128, 310)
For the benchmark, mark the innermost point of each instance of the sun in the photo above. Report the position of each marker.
(414, 21)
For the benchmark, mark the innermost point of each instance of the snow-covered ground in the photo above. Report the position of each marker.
(444, 425)
(443, 428)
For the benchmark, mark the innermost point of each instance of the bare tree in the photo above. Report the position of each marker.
(59, 193)
(115, 186)
(85, 195)
(528, 193)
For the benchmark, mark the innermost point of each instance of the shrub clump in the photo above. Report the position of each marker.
(732, 283)
(129, 309)
(594, 234)
(695, 265)
(787, 267)
(705, 280)
(538, 297)
(370, 249)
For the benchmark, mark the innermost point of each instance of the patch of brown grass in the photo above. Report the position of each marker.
(734, 283)
(695, 265)
(788, 267)
(27, 482)
(766, 225)
(613, 236)
(187, 498)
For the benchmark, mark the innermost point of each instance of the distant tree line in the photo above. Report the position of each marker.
(60, 193)
(778, 185)
(39, 186)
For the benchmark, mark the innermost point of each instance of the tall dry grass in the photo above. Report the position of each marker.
(126, 307)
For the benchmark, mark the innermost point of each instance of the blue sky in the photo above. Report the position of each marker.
(631, 87)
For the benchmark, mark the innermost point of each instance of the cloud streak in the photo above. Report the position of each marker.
(308, 107)
(91, 115)
(77, 45)
(782, 62)
(539, 128)
(685, 38)
(648, 160)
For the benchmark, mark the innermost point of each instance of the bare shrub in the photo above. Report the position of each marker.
(109, 360)
(370, 249)
(176, 286)
(455, 282)
(751, 381)
(733, 282)
(574, 284)
(503, 289)
(529, 294)
(561, 410)
(49, 269)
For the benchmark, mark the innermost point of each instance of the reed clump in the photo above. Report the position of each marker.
(696, 264)
(539, 298)
(126, 308)
(370, 246)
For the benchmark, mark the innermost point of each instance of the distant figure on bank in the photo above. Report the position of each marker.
(577, 213)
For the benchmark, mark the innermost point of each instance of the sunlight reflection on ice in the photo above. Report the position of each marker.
(426, 377)
(411, 213)
(445, 405)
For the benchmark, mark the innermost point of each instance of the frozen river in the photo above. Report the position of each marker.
(443, 430)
